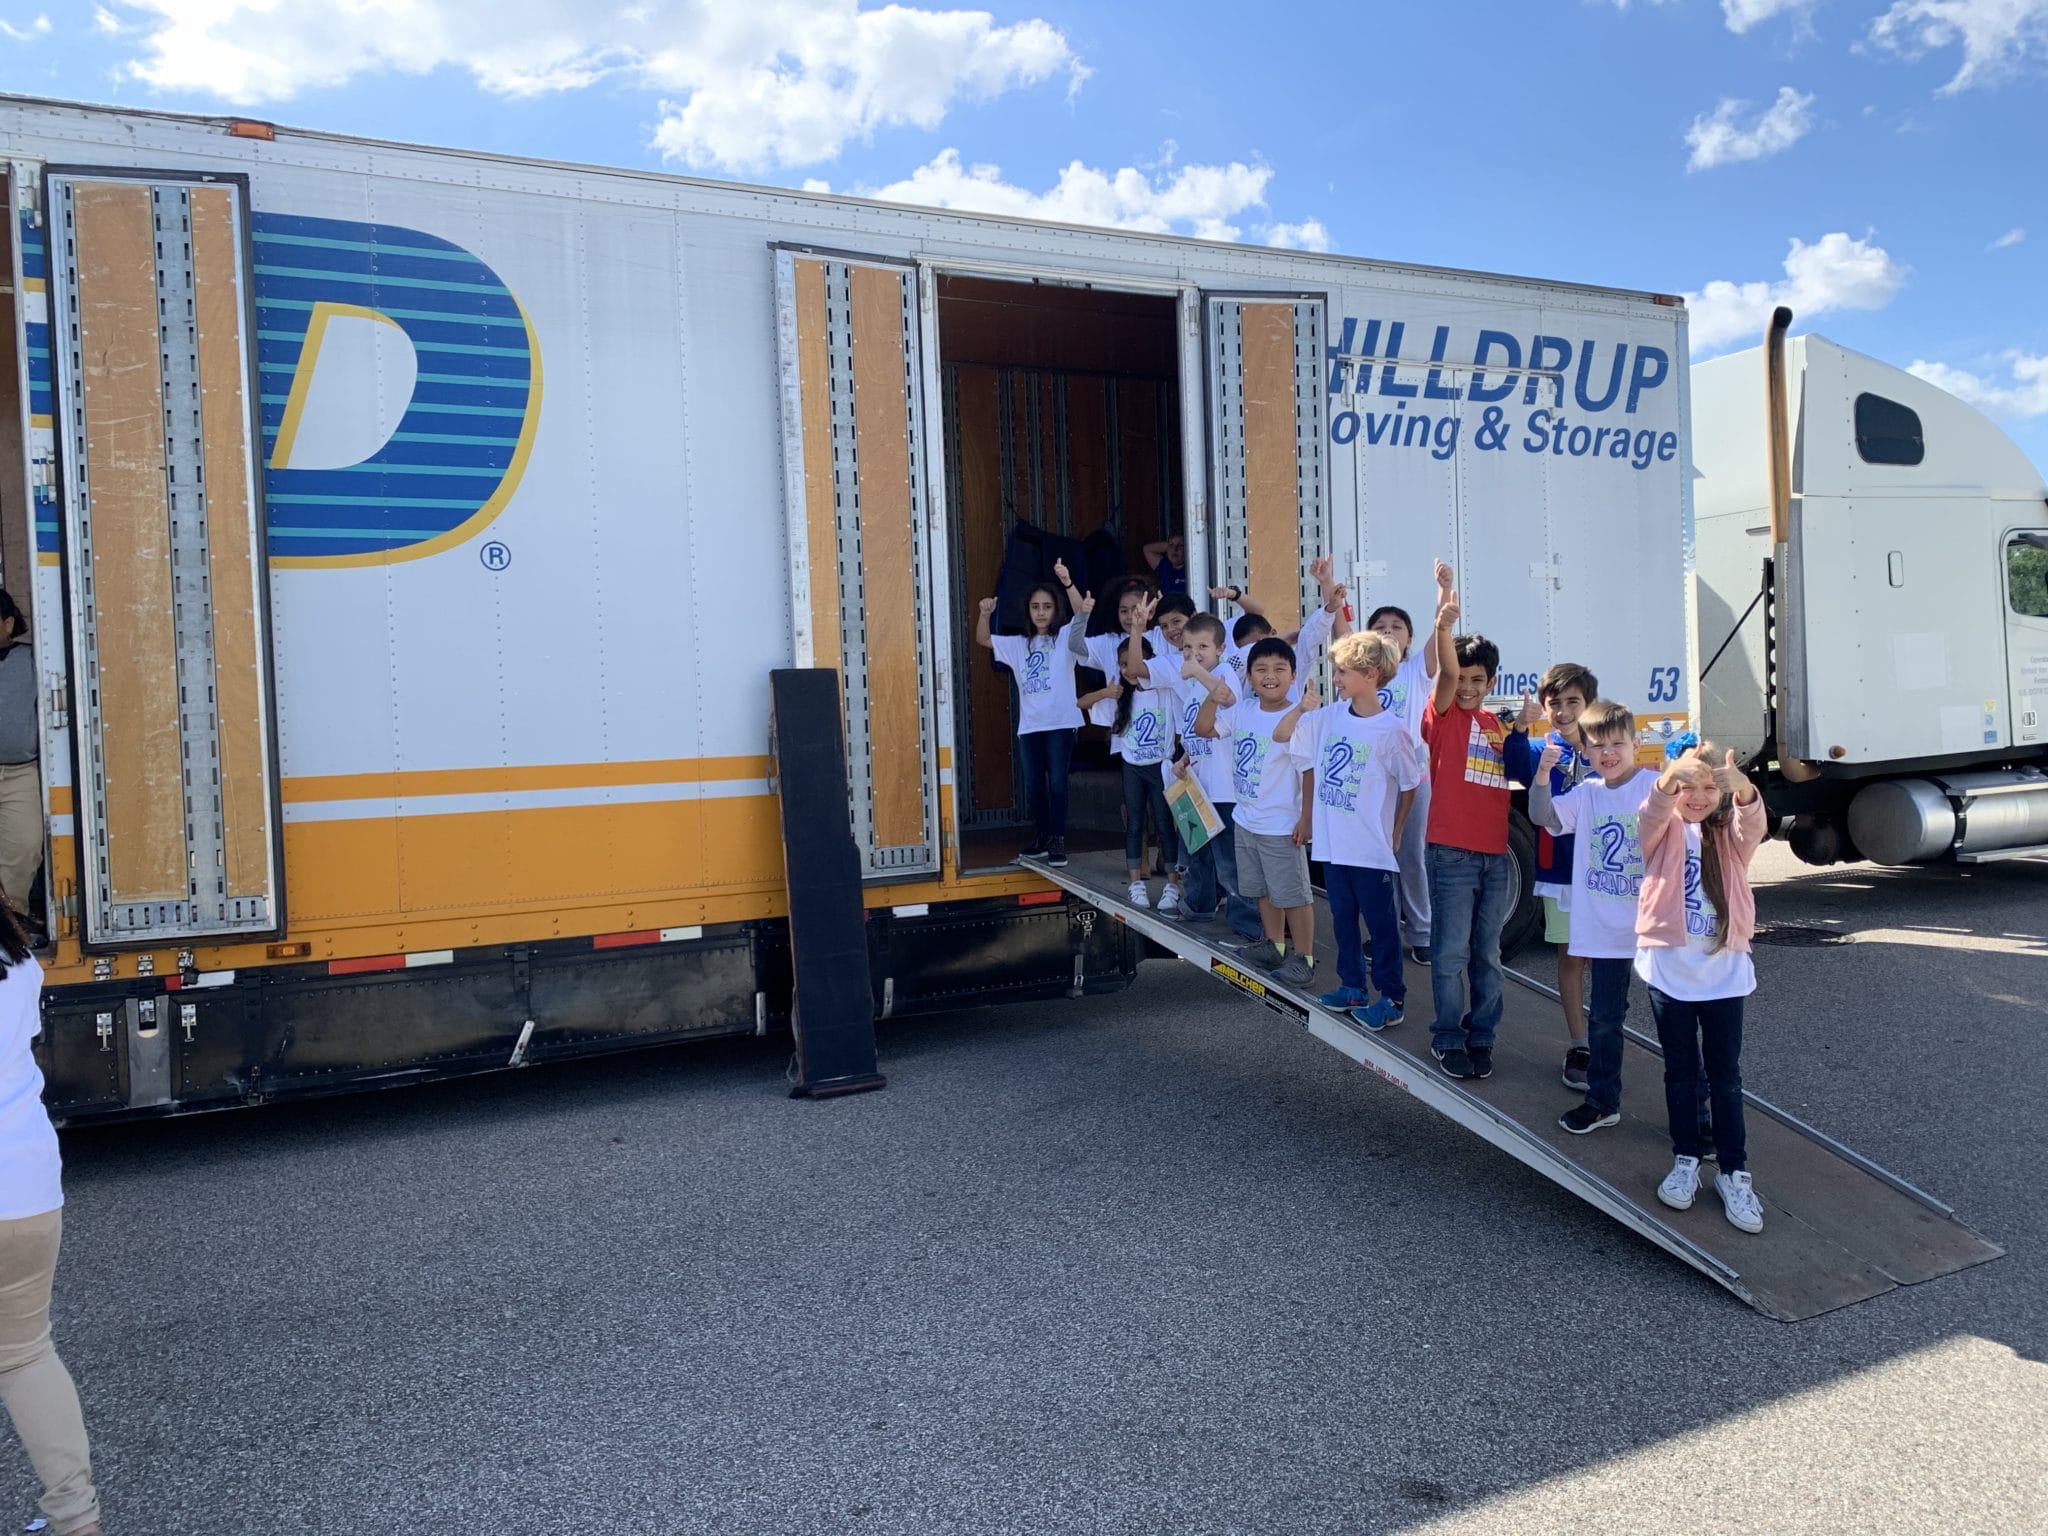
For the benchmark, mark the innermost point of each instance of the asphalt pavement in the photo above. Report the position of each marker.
(1155, 1262)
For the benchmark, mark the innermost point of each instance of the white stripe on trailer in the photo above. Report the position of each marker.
(671, 935)
(470, 804)
(429, 957)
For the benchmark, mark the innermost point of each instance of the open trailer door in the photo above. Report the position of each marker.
(860, 558)
(1269, 447)
(164, 561)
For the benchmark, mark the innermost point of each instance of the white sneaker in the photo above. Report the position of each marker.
(1139, 897)
(1680, 1184)
(1739, 1201)
(1169, 899)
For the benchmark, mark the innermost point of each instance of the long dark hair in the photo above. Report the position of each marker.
(14, 943)
(1713, 878)
(1129, 690)
(1105, 619)
(1059, 609)
(10, 609)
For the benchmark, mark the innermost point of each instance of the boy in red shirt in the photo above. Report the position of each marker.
(1471, 884)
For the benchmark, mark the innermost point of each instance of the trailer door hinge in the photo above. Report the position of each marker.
(60, 704)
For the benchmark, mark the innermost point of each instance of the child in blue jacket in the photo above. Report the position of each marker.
(1564, 692)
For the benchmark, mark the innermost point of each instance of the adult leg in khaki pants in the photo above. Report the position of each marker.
(37, 1389)
(21, 831)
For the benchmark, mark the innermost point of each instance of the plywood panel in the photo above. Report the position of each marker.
(1272, 471)
(1045, 389)
(131, 554)
(230, 545)
(1088, 452)
(814, 380)
(887, 557)
(983, 531)
(1138, 446)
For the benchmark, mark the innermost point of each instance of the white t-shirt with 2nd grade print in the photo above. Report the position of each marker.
(1607, 863)
(1359, 766)
(1695, 974)
(1147, 737)
(1407, 691)
(1044, 668)
(1209, 761)
(1265, 774)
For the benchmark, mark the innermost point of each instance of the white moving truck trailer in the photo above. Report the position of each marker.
(409, 536)
(1879, 657)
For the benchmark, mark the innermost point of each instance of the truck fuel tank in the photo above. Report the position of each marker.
(1967, 815)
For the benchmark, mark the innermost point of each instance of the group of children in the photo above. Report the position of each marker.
(1401, 788)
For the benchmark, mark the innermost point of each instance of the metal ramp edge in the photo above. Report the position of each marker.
(1475, 1113)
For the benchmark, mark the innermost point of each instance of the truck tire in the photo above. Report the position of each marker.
(1525, 919)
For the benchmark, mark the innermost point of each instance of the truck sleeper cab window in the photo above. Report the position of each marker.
(1888, 432)
(2026, 574)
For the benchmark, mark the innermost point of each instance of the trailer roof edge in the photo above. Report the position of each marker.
(1308, 260)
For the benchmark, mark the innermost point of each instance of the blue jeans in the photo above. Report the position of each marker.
(1241, 912)
(1610, 980)
(1211, 869)
(1470, 898)
(1367, 894)
(1145, 790)
(1044, 757)
(1703, 1038)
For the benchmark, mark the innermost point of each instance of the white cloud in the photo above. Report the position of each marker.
(1741, 15)
(2011, 237)
(1308, 235)
(40, 27)
(1722, 138)
(2025, 396)
(772, 82)
(1998, 37)
(106, 22)
(1833, 273)
(1202, 200)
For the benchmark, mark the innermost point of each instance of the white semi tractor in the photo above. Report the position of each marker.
(1872, 598)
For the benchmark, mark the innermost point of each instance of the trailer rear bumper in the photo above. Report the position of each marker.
(151, 1046)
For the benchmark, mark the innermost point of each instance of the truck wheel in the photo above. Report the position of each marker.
(1525, 921)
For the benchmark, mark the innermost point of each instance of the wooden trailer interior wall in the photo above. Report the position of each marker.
(1060, 368)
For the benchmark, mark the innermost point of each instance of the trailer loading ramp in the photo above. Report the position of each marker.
(1837, 1228)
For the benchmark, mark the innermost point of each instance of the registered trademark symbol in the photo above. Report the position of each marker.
(495, 556)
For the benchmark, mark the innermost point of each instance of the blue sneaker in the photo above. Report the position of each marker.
(1342, 999)
(1384, 1014)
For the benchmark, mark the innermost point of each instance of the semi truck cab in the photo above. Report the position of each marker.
(1877, 651)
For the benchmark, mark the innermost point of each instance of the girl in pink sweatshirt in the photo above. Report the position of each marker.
(1699, 830)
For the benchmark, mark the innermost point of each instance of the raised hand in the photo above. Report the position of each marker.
(1190, 669)
(1308, 696)
(1531, 712)
(988, 606)
(1141, 619)
(1444, 577)
(1221, 594)
(1448, 612)
(1553, 753)
(1727, 776)
(1337, 597)
(1059, 571)
(1320, 568)
(1084, 603)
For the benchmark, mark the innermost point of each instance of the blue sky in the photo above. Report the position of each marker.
(1677, 145)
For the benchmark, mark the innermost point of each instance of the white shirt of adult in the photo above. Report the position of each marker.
(1044, 668)
(31, 1172)
(1607, 863)
(1696, 974)
(1358, 765)
(1266, 775)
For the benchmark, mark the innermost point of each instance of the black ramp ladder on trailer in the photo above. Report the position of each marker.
(1837, 1229)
